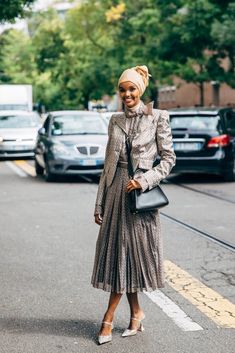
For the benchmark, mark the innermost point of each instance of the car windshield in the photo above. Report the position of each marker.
(11, 121)
(196, 122)
(78, 125)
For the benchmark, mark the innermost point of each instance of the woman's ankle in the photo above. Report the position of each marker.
(108, 316)
(137, 313)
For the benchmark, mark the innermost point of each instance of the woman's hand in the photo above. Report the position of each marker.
(132, 185)
(98, 219)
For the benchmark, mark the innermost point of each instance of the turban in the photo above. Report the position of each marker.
(138, 75)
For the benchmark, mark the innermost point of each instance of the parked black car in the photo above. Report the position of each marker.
(204, 140)
(71, 142)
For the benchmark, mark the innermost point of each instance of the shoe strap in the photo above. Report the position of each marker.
(134, 318)
(107, 323)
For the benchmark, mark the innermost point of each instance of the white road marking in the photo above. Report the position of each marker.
(17, 170)
(26, 167)
(180, 318)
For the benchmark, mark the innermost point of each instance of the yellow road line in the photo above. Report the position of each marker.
(26, 167)
(209, 302)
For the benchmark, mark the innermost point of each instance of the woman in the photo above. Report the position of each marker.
(128, 255)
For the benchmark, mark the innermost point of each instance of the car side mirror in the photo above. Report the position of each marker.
(42, 131)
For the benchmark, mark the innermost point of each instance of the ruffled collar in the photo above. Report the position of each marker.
(139, 110)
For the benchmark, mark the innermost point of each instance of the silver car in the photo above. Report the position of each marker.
(71, 142)
(107, 115)
(18, 132)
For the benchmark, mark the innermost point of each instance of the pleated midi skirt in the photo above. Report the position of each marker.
(128, 256)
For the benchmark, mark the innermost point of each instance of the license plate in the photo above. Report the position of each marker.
(88, 162)
(99, 162)
(187, 146)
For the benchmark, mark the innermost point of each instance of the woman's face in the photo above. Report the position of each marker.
(129, 94)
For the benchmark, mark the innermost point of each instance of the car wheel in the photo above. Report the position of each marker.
(230, 174)
(39, 170)
(48, 175)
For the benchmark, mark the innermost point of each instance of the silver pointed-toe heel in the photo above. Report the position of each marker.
(128, 333)
(107, 338)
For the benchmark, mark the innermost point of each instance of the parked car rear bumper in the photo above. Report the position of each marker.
(202, 165)
(16, 154)
(16, 150)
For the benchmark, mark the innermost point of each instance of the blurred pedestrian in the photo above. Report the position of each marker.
(128, 256)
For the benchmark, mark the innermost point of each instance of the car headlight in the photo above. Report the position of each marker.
(61, 150)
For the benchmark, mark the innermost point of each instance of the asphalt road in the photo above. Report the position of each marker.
(47, 244)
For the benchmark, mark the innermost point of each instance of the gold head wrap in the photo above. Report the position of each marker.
(139, 75)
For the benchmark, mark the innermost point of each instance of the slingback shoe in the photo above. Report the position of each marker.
(140, 328)
(107, 338)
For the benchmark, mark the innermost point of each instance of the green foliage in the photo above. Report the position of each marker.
(223, 34)
(80, 58)
(17, 59)
(188, 41)
(10, 9)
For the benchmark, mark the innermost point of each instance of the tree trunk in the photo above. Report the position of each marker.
(232, 61)
(215, 93)
(201, 87)
(86, 100)
(154, 95)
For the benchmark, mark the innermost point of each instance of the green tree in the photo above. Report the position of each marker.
(47, 38)
(80, 58)
(188, 44)
(223, 34)
(17, 59)
(10, 9)
(138, 37)
(3, 41)
(90, 44)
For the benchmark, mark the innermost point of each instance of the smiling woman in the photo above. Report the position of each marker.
(128, 256)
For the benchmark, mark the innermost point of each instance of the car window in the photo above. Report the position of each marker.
(196, 122)
(75, 124)
(13, 121)
(230, 122)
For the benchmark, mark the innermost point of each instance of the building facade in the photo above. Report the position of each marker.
(183, 94)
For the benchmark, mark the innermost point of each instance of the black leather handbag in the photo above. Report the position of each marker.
(148, 200)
